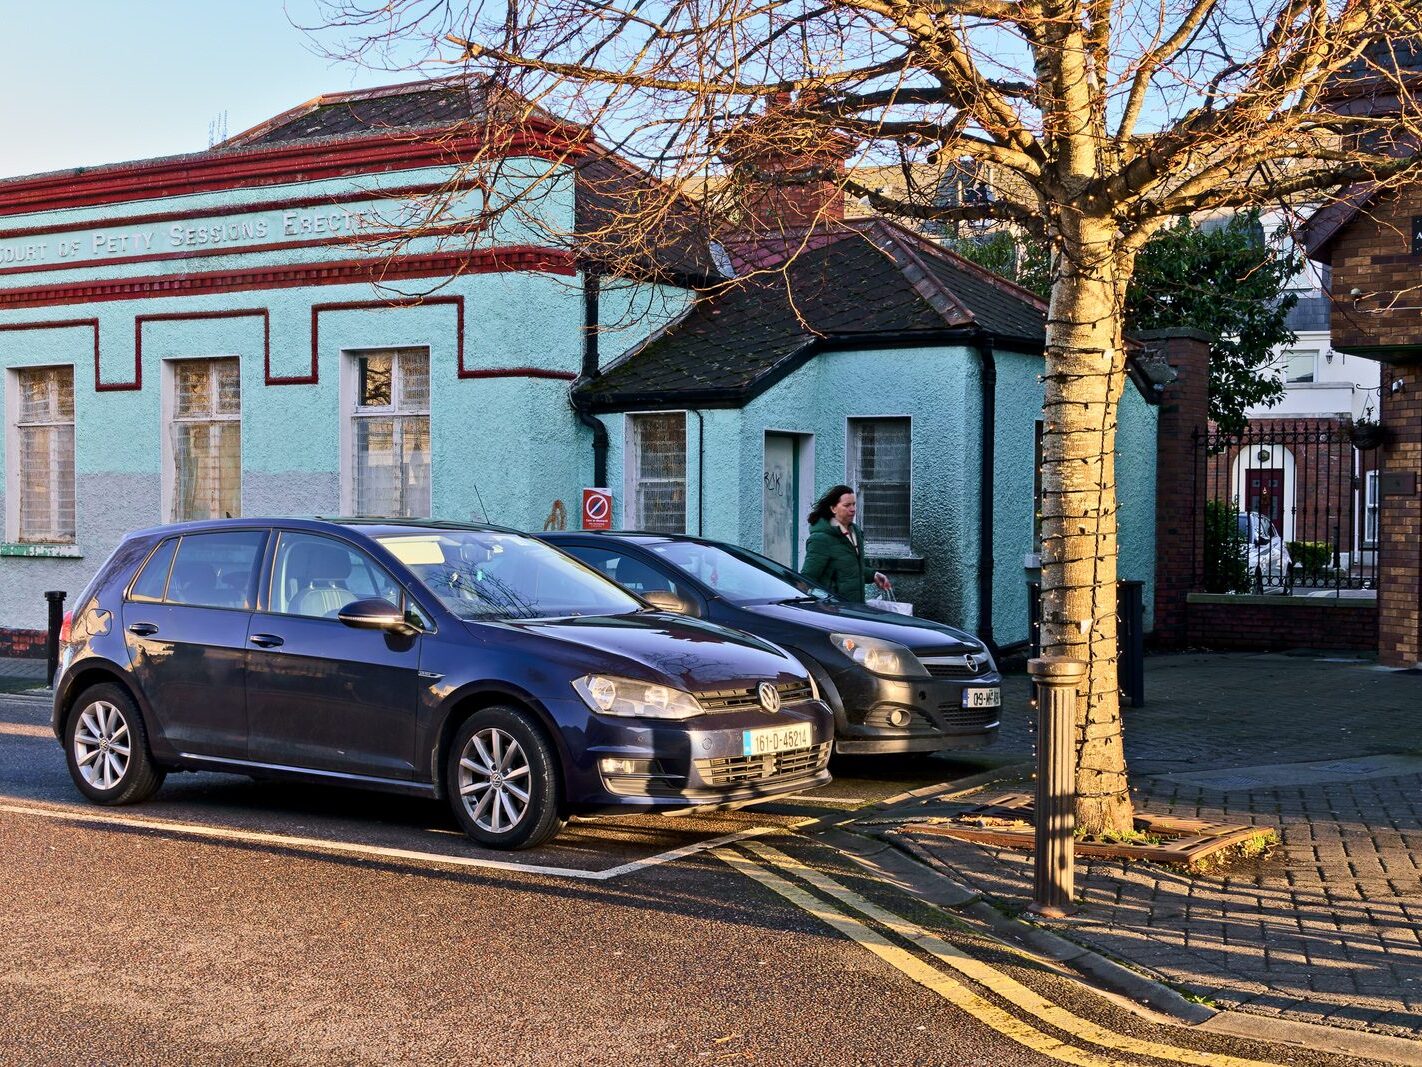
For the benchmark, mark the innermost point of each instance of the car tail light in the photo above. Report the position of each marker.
(66, 626)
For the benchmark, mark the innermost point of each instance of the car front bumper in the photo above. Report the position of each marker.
(888, 715)
(700, 764)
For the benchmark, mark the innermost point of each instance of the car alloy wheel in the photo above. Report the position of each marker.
(493, 780)
(503, 779)
(102, 745)
(106, 747)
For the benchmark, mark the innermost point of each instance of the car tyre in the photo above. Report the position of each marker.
(106, 747)
(502, 780)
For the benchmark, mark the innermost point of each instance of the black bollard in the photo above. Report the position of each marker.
(1054, 876)
(56, 620)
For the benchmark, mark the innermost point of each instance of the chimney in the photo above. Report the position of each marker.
(787, 174)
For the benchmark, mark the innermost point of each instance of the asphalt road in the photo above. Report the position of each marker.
(233, 922)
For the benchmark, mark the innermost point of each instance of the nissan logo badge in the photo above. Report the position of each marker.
(769, 697)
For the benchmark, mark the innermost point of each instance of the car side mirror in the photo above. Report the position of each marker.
(375, 613)
(665, 600)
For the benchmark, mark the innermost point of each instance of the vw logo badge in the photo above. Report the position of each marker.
(769, 697)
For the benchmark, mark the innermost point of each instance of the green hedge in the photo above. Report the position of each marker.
(1314, 557)
(1226, 556)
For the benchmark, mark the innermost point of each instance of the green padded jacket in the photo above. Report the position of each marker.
(833, 562)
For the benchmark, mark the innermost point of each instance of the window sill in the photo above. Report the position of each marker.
(40, 550)
(895, 564)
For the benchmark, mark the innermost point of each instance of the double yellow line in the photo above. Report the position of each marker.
(1008, 1024)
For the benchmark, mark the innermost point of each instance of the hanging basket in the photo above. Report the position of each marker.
(1367, 435)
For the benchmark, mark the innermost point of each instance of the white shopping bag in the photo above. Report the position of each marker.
(886, 602)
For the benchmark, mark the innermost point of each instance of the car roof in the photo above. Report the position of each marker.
(371, 523)
(641, 537)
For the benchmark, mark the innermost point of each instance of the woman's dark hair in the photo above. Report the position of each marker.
(824, 507)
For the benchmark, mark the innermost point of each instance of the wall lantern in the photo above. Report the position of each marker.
(1265, 455)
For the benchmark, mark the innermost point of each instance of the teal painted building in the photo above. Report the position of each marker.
(885, 363)
(230, 333)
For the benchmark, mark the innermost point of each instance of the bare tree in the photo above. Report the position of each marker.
(1105, 120)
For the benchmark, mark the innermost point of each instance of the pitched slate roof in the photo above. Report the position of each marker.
(868, 282)
(606, 188)
(370, 111)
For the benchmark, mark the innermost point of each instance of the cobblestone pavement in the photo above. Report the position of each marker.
(1329, 928)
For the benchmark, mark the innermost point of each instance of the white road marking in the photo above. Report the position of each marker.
(20, 729)
(220, 833)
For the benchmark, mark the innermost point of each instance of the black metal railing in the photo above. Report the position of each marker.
(1130, 636)
(1288, 505)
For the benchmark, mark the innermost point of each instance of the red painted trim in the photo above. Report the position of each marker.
(338, 240)
(176, 316)
(305, 161)
(368, 305)
(334, 272)
(60, 324)
(415, 301)
(519, 372)
(393, 192)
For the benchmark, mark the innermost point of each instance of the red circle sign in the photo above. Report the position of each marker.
(597, 509)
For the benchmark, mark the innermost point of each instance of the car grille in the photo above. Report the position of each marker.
(957, 717)
(791, 764)
(721, 701)
(953, 667)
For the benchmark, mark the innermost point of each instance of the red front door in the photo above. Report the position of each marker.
(1264, 493)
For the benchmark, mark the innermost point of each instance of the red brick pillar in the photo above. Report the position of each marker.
(1400, 519)
(1179, 515)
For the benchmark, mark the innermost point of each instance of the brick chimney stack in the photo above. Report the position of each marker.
(788, 173)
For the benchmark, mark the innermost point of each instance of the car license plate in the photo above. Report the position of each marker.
(982, 698)
(775, 739)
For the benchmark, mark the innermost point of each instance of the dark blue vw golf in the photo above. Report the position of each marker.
(429, 658)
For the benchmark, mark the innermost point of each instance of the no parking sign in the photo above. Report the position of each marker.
(597, 509)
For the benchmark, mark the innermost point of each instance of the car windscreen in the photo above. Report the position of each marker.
(741, 577)
(481, 574)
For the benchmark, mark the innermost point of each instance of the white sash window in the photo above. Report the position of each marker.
(205, 435)
(391, 433)
(43, 439)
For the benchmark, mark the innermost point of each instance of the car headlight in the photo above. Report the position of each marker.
(611, 695)
(880, 657)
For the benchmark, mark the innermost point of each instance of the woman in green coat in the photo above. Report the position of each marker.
(834, 554)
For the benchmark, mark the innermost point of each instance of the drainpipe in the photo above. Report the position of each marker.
(591, 285)
(985, 494)
(700, 474)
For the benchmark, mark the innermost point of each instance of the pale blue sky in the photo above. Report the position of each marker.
(106, 81)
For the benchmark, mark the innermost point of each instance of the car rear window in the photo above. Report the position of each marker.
(216, 570)
(153, 580)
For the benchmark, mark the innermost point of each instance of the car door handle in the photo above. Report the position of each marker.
(143, 629)
(265, 640)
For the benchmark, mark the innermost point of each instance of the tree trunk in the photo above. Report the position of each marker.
(1085, 374)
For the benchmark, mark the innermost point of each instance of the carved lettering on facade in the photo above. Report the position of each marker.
(263, 230)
